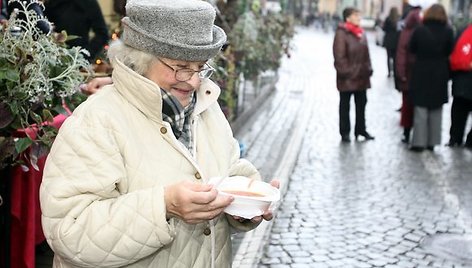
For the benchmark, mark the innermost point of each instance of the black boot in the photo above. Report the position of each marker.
(364, 134)
(406, 135)
(345, 138)
(468, 141)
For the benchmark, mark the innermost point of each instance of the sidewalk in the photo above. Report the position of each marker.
(360, 204)
(273, 138)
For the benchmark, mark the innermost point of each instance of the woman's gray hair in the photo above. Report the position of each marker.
(135, 59)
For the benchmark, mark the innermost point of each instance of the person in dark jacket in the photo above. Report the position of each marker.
(461, 104)
(404, 64)
(390, 27)
(353, 71)
(3, 10)
(79, 17)
(7, 8)
(431, 43)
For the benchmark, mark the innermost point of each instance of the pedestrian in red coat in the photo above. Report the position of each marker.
(404, 64)
(353, 71)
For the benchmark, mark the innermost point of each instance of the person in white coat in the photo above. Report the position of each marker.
(126, 181)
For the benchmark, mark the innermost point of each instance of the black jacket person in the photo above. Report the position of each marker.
(79, 17)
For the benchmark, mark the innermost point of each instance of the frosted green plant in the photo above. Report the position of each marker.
(38, 75)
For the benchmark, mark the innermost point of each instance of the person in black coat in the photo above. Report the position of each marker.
(3, 10)
(78, 17)
(431, 43)
(461, 104)
(390, 27)
(8, 7)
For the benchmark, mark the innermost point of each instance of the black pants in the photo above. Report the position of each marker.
(391, 61)
(460, 110)
(360, 98)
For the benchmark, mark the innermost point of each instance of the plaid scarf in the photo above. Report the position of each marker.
(178, 117)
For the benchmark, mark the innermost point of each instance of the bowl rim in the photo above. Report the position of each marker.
(267, 198)
(273, 196)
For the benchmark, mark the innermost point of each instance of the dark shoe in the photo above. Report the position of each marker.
(453, 143)
(468, 145)
(406, 135)
(416, 149)
(366, 136)
(345, 138)
(430, 148)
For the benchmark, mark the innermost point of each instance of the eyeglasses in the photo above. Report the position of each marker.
(186, 74)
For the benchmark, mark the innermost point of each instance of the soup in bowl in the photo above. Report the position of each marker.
(251, 197)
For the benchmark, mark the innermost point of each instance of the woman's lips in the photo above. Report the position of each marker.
(183, 91)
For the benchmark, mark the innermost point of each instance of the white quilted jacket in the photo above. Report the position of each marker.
(102, 195)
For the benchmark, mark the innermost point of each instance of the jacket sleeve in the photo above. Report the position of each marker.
(242, 167)
(244, 226)
(341, 60)
(369, 61)
(413, 42)
(99, 28)
(89, 218)
(449, 42)
(238, 167)
(385, 24)
(401, 56)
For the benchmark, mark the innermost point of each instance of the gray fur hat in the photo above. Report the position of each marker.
(174, 29)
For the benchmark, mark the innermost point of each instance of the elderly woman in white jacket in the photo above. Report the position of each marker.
(125, 183)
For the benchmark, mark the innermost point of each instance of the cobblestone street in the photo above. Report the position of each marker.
(364, 204)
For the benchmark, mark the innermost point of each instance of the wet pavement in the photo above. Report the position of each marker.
(359, 204)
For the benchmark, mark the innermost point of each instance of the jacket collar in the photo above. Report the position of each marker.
(145, 95)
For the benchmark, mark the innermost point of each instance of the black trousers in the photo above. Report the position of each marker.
(460, 110)
(391, 61)
(360, 98)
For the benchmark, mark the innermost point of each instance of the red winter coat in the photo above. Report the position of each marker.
(404, 59)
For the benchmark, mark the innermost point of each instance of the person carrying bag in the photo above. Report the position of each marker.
(460, 63)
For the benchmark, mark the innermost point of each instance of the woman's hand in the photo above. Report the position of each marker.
(95, 84)
(194, 202)
(268, 214)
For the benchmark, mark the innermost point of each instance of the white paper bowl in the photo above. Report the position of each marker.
(248, 206)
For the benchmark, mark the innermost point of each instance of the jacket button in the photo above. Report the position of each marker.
(163, 130)
(198, 176)
(207, 231)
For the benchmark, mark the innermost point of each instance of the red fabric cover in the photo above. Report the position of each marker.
(461, 56)
(57, 122)
(26, 231)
